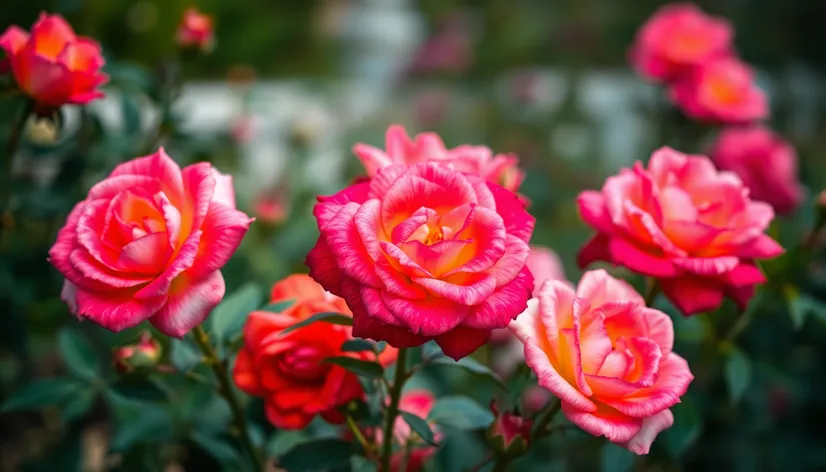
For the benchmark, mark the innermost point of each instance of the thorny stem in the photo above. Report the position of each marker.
(393, 409)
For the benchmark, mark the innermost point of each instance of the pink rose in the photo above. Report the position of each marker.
(676, 38)
(606, 356)
(544, 265)
(424, 252)
(52, 65)
(720, 90)
(148, 243)
(684, 223)
(196, 30)
(500, 169)
(765, 162)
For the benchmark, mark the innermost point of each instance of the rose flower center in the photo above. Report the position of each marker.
(303, 363)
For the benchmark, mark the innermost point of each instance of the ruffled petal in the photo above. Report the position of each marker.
(189, 304)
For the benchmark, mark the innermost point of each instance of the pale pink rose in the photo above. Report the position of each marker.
(422, 253)
(148, 243)
(500, 169)
(721, 91)
(765, 162)
(606, 356)
(681, 221)
(676, 38)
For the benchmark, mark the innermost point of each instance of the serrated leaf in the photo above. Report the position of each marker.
(321, 454)
(278, 307)
(332, 318)
(471, 366)
(357, 366)
(228, 318)
(686, 429)
(460, 412)
(615, 459)
(357, 345)
(419, 426)
(218, 448)
(738, 371)
(184, 355)
(40, 393)
(78, 354)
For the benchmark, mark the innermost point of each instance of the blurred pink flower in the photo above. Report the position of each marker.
(765, 162)
(449, 50)
(196, 30)
(270, 209)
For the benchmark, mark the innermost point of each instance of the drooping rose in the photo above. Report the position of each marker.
(684, 223)
(424, 252)
(606, 356)
(721, 91)
(765, 162)
(148, 243)
(52, 65)
(500, 169)
(287, 369)
(196, 30)
(677, 38)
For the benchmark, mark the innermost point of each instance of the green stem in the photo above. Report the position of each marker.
(652, 291)
(740, 324)
(501, 465)
(544, 419)
(225, 388)
(393, 409)
(11, 149)
(351, 423)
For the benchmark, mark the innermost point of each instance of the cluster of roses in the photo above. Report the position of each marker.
(432, 246)
(692, 54)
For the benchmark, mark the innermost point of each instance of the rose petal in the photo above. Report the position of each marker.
(189, 304)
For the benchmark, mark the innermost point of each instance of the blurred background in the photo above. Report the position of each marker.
(287, 91)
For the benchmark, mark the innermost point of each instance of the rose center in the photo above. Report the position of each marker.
(724, 90)
(304, 363)
(689, 45)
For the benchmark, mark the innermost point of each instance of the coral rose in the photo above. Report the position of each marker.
(196, 31)
(148, 243)
(721, 91)
(676, 38)
(52, 65)
(681, 221)
(500, 169)
(288, 369)
(424, 252)
(765, 162)
(606, 356)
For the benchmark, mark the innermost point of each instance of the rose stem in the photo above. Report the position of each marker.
(393, 409)
(539, 431)
(225, 388)
(652, 291)
(11, 149)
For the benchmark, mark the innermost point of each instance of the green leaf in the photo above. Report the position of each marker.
(141, 389)
(460, 412)
(801, 306)
(420, 426)
(470, 366)
(137, 422)
(321, 454)
(357, 345)
(362, 464)
(686, 429)
(79, 404)
(615, 459)
(357, 366)
(278, 307)
(283, 440)
(228, 318)
(217, 448)
(42, 392)
(332, 318)
(184, 355)
(78, 354)
(738, 373)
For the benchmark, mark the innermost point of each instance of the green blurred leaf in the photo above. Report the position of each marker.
(218, 448)
(141, 389)
(362, 464)
(686, 429)
(228, 318)
(137, 422)
(420, 427)
(471, 366)
(278, 307)
(801, 306)
(131, 115)
(738, 371)
(281, 441)
(357, 366)
(615, 459)
(357, 345)
(79, 404)
(321, 454)
(184, 355)
(460, 412)
(332, 318)
(42, 392)
(78, 354)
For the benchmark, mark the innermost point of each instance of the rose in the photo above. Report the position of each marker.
(676, 38)
(544, 264)
(765, 162)
(424, 252)
(500, 169)
(148, 242)
(720, 90)
(684, 223)
(52, 65)
(606, 356)
(288, 369)
(196, 30)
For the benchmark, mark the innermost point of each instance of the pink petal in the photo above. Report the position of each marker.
(224, 190)
(490, 242)
(323, 269)
(625, 253)
(430, 317)
(740, 295)
(114, 185)
(593, 212)
(384, 180)
(761, 247)
(692, 294)
(89, 268)
(465, 295)
(328, 207)
(373, 159)
(462, 341)
(146, 255)
(597, 288)
(63, 247)
(13, 40)
(651, 427)
(406, 265)
(596, 249)
(189, 304)
(605, 421)
(160, 168)
(116, 310)
(397, 283)
(707, 265)
(745, 275)
(374, 303)
(368, 327)
(504, 305)
(223, 229)
(182, 261)
(199, 186)
(518, 222)
(346, 245)
(672, 383)
(51, 33)
(404, 230)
